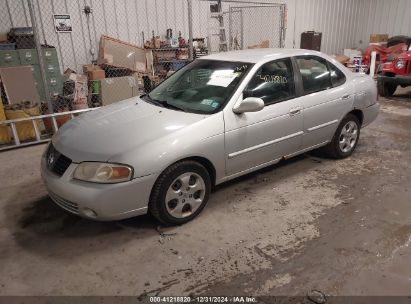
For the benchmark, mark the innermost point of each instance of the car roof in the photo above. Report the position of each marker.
(258, 55)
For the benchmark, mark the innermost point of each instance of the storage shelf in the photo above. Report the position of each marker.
(171, 61)
(167, 49)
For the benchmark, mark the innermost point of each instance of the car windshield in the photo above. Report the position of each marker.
(202, 86)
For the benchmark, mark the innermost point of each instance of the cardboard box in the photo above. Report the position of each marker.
(96, 74)
(263, 45)
(342, 59)
(69, 74)
(93, 72)
(80, 89)
(383, 44)
(351, 53)
(89, 67)
(3, 37)
(118, 88)
(377, 38)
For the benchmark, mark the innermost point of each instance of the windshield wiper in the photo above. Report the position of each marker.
(171, 106)
(147, 98)
(161, 103)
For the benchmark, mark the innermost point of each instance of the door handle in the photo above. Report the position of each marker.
(345, 97)
(295, 111)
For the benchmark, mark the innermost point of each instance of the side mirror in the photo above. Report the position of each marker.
(250, 104)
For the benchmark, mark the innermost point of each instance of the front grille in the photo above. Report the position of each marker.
(57, 162)
(63, 203)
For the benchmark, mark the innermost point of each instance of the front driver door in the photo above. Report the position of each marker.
(257, 138)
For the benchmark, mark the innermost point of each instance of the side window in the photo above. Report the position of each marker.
(337, 77)
(273, 82)
(315, 74)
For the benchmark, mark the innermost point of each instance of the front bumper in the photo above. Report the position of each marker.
(398, 79)
(108, 201)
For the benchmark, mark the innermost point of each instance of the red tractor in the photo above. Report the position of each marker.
(395, 46)
(395, 73)
(395, 68)
(384, 54)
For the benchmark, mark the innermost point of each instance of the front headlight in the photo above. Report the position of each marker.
(103, 172)
(400, 64)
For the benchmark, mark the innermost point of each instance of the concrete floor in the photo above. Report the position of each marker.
(341, 227)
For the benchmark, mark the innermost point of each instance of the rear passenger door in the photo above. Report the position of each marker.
(327, 96)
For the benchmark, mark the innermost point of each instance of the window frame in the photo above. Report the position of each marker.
(301, 82)
(330, 64)
(295, 77)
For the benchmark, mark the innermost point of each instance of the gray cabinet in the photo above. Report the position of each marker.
(11, 58)
(28, 56)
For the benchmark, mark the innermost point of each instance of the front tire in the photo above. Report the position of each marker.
(345, 139)
(180, 193)
(386, 89)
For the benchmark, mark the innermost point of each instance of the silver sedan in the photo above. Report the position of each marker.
(219, 117)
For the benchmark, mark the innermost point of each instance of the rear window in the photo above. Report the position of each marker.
(315, 73)
(337, 76)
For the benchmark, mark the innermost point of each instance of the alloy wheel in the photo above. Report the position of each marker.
(348, 136)
(185, 195)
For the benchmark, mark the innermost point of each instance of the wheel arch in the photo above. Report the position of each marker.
(359, 114)
(201, 160)
(207, 164)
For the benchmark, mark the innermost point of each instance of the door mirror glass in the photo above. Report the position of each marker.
(249, 104)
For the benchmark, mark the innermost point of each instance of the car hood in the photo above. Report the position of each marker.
(99, 134)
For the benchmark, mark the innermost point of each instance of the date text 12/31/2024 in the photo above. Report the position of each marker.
(203, 299)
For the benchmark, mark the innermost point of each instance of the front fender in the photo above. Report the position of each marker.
(204, 139)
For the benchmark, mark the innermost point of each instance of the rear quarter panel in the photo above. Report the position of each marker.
(366, 98)
(365, 92)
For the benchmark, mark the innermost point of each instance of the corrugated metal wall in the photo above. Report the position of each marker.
(384, 17)
(338, 20)
(349, 23)
(344, 23)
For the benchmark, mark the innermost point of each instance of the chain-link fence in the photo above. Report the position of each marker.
(245, 32)
(59, 58)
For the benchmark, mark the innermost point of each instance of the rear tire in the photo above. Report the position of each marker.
(345, 139)
(386, 89)
(180, 193)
